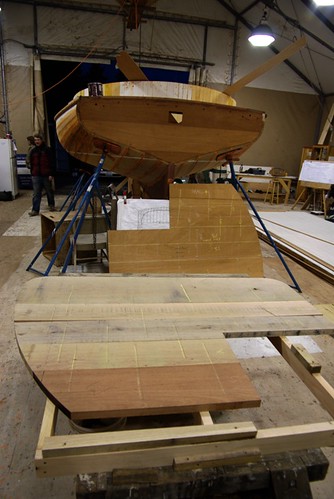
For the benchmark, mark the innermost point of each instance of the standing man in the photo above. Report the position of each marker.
(42, 172)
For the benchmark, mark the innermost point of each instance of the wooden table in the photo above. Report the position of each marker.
(285, 181)
(105, 346)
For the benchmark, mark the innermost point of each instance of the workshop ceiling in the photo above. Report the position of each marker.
(290, 19)
(210, 35)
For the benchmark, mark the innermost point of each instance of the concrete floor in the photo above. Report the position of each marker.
(286, 401)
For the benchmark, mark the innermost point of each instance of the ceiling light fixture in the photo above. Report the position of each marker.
(323, 3)
(262, 35)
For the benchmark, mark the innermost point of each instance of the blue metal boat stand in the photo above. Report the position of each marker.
(237, 185)
(85, 196)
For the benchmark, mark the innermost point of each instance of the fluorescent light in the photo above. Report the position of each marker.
(261, 36)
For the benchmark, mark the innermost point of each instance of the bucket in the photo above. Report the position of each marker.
(95, 89)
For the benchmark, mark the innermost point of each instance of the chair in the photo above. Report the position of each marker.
(92, 239)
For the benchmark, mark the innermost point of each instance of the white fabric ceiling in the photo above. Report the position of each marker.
(290, 19)
(68, 28)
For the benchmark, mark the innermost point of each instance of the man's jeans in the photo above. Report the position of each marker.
(38, 183)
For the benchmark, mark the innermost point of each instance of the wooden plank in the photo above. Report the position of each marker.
(267, 66)
(48, 427)
(203, 418)
(36, 335)
(301, 223)
(314, 381)
(217, 459)
(269, 441)
(129, 68)
(306, 358)
(65, 445)
(327, 309)
(106, 289)
(127, 354)
(121, 392)
(166, 311)
(327, 125)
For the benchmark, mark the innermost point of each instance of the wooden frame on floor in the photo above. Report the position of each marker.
(203, 444)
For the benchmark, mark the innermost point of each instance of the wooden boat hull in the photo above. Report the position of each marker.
(150, 132)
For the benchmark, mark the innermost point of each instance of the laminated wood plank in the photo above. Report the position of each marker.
(327, 126)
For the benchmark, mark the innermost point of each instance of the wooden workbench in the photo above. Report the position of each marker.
(285, 182)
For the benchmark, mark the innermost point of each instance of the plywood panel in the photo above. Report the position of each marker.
(211, 232)
(307, 235)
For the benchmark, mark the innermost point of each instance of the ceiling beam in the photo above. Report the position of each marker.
(297, 25)
(147, 14)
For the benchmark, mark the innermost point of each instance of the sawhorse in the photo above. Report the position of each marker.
(279, 476)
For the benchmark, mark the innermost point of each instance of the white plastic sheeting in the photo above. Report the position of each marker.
(94, 32)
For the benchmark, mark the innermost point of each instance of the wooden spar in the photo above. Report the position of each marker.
(267, 66)
(129, 68)
(327, 125)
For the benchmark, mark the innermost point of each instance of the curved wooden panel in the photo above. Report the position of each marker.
(211, 232)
